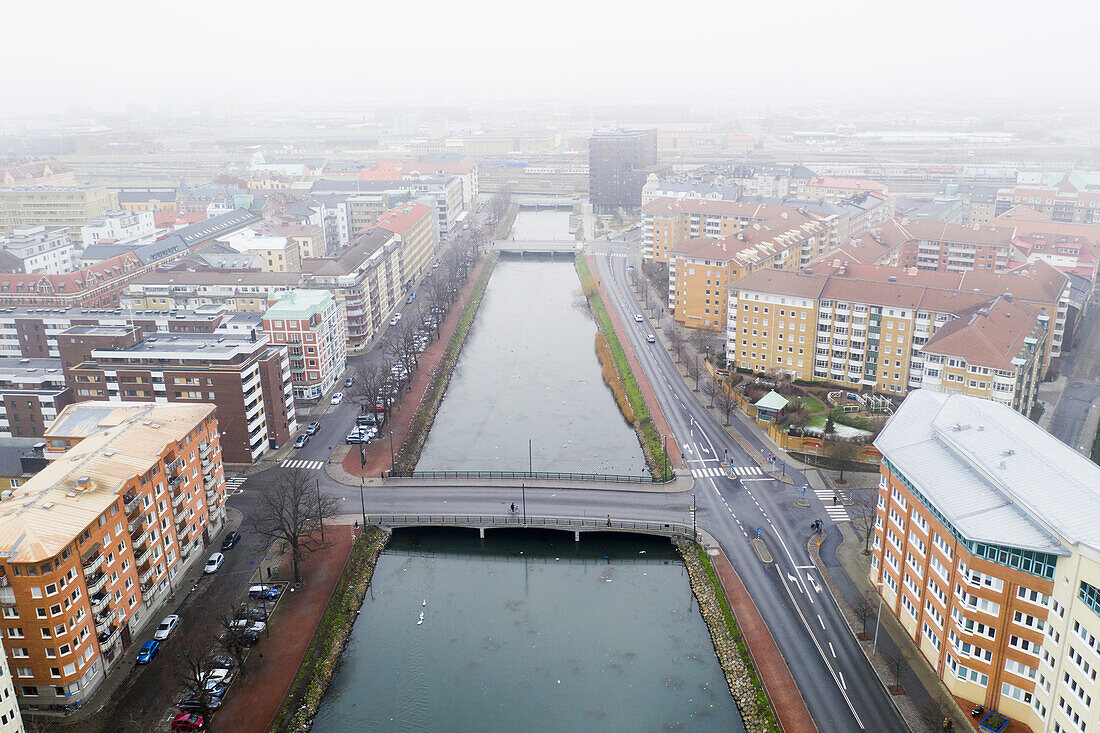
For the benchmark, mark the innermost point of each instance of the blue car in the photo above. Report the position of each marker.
(148, 650)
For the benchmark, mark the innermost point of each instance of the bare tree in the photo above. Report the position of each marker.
(863, 522)
(192, 669)
(725, 403)
(863, 612)
(701, 340)
(895, 663)
(692, 366)
(842, 455)
(292, 509)
(232, 640)
(710, 388)
(676, 340)
(367, 387)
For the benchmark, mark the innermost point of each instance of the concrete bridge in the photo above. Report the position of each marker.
(537, 249)
(576, 525)
(545, 202)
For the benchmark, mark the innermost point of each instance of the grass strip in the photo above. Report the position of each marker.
(323, 656)
(644, 426)
(411, 447)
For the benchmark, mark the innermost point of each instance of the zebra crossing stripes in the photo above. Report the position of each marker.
(836, 512)
(233, 484)
(723, 472)
(310, 465)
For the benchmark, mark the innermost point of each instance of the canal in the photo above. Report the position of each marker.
(541, 225)
(528, 380)
(528, 631)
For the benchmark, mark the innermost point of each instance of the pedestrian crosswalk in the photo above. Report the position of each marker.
(233, 484)
(722, 471)
(835, 510)
(310, 465)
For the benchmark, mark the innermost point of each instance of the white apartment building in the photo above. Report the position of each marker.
(124, 227)
(10, 719)
(47, 250)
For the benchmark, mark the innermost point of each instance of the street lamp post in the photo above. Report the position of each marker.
(878, 616)
(362, 480)
(320, 516)
(391, 453)
(523, 494)
(694, 533)
(530, 455)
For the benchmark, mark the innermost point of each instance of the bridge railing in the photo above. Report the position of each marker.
(517, 520)
(534, 475)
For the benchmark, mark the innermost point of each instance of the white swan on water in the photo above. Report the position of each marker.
(421, 620)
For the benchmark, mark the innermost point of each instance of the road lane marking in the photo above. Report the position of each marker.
(831, 650)
(821, 622)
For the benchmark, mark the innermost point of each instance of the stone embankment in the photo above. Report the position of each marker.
(322, 659)
(744, 683)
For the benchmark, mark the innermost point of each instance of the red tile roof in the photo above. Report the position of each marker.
(402, 218)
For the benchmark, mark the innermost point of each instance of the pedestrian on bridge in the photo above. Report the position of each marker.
(608, 520)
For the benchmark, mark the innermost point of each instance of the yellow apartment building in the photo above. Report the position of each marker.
(54, 206)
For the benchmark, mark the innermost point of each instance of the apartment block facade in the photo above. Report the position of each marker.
(619, 162)
(32, 394)
(93, 542)
(414, 227)
(864, 326)
(312, 326)
(54, 206)
(986, 550)
(40, 249)
(246, 377)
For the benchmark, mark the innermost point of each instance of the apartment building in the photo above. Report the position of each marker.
(863, 326)
(36, 173)
(367, 279)
(413, 225)
(246, 377)
(32, 394)
(1063, 202)
(995, 351)
(688, 188)
(667, 223)
(20, 458)
(311, 324)
(933, 245)
(832, 190)
(120, 227)
(986, 550)
(162, 200)
(11, 721)
(308, 238)
(619, 163)
(193, 287)
(46, 250)
(772, 181)
(92, 543)
(54, 206)
(1068, 253)
(275, 253)
(366, 200)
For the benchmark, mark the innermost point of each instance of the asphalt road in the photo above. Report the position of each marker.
(837, 682)
(1082, 371)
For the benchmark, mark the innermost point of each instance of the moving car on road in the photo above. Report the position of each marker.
(167, 626)
(650, 338)
(337, 398)
(231, 540)
(214, 563)
(148, 650)
(638, 317)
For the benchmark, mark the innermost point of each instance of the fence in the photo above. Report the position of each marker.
(547, 475)
(516, 520)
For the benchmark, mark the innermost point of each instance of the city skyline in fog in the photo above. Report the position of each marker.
(713, 55)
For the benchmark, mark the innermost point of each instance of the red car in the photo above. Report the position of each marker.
(187, 722)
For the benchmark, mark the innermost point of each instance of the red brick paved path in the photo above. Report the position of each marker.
(639, 373)
(254, 699)
(378, 451)
(793, 714)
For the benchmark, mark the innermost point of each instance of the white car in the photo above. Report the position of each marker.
(337, 398)
(243, 624)
(167, 626)
(638, 317)
(214, 563)
(651, 338)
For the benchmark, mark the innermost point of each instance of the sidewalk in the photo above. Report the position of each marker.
(770, 665)
(255, 698)
(344, 463)
(635, 366)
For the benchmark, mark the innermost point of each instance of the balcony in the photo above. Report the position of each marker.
(210, 482)
(132, 504)
(147, 575)
(96, 583)
(174, 466)
(104, 625)
(175, 481)
(141, 556)
(178, 497)
(107, 636)
(7, 596)
(92, 563)
(204, 450)
(181, 525)
(135, 523)
(99, 601)
(139, 540)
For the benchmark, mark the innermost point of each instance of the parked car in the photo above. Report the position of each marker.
(367, 418)
(313, 427)
(638, 317)
(650, 338)
(193, 703)
(231, 540)
(349, 381)
(252, 613)
(214, 563)
(148, 650)
(337, 398)
(395, 320)
(215, 689)
(247, 625)
(301, 440)
(222, 675)
(187, 722)
(263, 591)
(167, 626)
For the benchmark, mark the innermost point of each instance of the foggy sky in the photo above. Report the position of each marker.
(67, 55)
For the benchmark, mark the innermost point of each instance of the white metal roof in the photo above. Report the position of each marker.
(995, 475)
